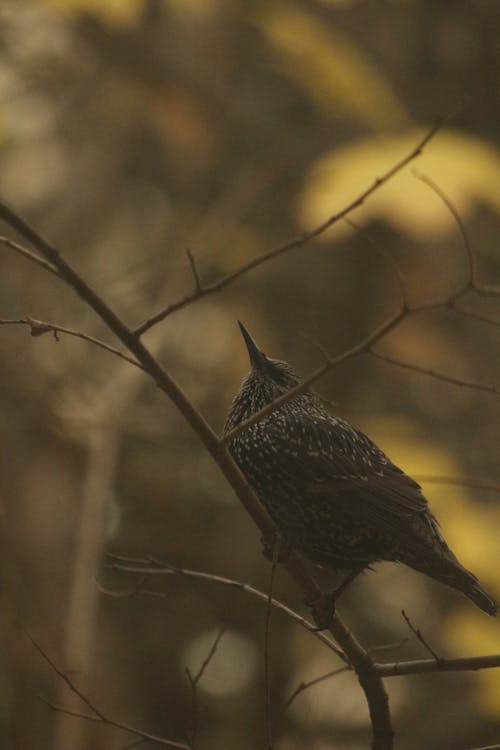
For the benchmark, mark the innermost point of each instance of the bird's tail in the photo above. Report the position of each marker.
(455, 575)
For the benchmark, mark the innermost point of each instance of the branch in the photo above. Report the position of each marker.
(137, 565)
(434, 374)
(39, 327)
(305, 685)
(193, 682)
(28, 254)
(417, 632)
(118, 725)
(476, 316)
(96, 714)
(65, 678)
(296, 242)
(472, 282)
(267, 628)
(423, 666)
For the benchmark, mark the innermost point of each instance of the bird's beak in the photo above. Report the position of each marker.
(257, 358)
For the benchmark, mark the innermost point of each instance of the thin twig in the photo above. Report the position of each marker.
(487, 388)
(267, 628)
(40, 327)
(296, 242)
(64, 677)
(193, 682)
(197, 284)
(366, 236)
(418, 633)
(458, 219)
(305, 685)
(386, 647)
(138, 565)
(476, 316)
(96, 714)
(28, 254)
(472, 283)
(118, 725)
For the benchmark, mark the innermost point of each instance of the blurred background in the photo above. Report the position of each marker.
(130, 131)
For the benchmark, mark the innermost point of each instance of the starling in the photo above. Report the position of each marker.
(333, 494)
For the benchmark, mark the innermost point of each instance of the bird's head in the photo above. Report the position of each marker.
(279, 376)
(267, 380)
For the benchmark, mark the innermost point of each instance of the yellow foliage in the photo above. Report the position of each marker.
(330, 69)
(465, 167)
(112, 12)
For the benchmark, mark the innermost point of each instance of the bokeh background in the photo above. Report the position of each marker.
(131, 130)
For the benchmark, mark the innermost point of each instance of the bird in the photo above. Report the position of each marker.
(333, 494)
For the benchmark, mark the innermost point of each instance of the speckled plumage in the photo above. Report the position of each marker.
(333, 493)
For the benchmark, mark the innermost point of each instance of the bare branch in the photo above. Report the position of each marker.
(417, 632)
(424, 666)
(305, 685)
(138, 565)
(475, 316)
(472, 282)
(96, 714)
(267, 674)
(197, 284)
(193, 682)
(28, 254)
(387, 257)
(458, 219)
(290, 244)
(118, 725)
(64, 677)
(434, 374)
(39, 327)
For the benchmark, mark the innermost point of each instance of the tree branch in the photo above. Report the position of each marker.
(96, 714)
(424, 666)
(28, 254)
(487, 388)
(296, 242)
(39, 327)
(150, 567)
(193, 682)
(305, 685)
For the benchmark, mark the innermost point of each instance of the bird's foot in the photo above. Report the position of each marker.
(323, 610)
(323, 606)
(275, 548)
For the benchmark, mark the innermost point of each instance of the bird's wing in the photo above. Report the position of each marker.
(335, 459)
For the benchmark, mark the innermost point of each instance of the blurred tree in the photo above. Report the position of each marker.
(130, 131)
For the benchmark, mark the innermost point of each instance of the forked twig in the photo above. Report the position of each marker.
(418, 633)
(193, 682)
(292, 244)
(97, 715)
